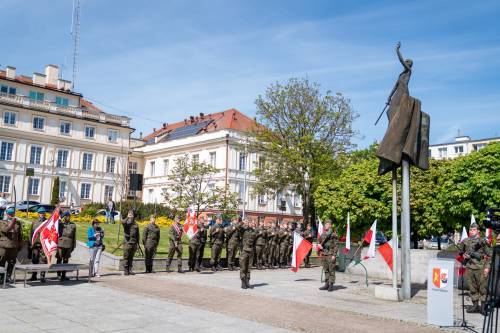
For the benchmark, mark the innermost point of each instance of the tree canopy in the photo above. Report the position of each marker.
(441, 199)
(301, 132)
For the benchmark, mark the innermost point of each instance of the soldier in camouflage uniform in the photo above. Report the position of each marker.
(11, 240)
(176, 231)
(36, 250)
(475, 251)
(308, 236)
(194, 245)
(202, 235)
(283, 245)
(248, 237)
(260, 245)
(272, 255)
(131, 235)
(290, 243)
(216, 242)
(329, 246)
(150, 240)
(66, 243)
(233, 240)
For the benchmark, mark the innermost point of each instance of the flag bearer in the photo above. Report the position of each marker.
(329, 246)
(36, 250)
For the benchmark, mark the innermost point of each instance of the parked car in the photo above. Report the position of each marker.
(23, 205)
(48, 208)
(432, 244)
(116, 214)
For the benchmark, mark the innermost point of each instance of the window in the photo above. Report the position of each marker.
(112, 135)
(196, 158)
(479, 146)
(38, 123)
(242, 162)
(90, 132)
(297, 200)
(213, 156)
(443, 152)
(85, 191)
(9, 118)
(62, 101)
(459, 149)
(152, 168)
(87, 161)
(65, 128)
(110, 164)
(261, 199)
(33, 184)
(62, 158)
(35, 155)
(108, 191)
(6, 89)
(4, 184)
(241, 193)
(211, 186)
(279, 199)
(6, 151)
(62, 190)
(132, 168)
(165, 167)
(39, 96)
(262, 162)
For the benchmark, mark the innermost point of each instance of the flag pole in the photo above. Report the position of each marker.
(394, 229)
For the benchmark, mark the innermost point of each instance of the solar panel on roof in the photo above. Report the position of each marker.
(185, 131)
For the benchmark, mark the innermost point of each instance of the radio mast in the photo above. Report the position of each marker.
(75, 34)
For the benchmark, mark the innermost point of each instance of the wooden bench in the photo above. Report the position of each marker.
(4, 272)
(37, 268)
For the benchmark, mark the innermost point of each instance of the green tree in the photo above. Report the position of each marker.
(190, 185)
(55, 192)
(471, 184)
(300, 134)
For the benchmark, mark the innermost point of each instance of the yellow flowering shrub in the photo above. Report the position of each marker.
(31, 216)
(161, 221)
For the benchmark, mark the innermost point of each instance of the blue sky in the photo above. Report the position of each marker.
(161, 61)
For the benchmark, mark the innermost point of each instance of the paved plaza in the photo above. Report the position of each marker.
(280, 302)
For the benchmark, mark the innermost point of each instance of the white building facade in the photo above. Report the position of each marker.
(46, 127)
(222, 144)
(463, 145)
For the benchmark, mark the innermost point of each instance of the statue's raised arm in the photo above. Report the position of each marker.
(407, 63)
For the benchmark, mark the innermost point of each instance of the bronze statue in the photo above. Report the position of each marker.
(408, 132)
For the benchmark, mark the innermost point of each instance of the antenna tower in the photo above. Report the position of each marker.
(75, 34)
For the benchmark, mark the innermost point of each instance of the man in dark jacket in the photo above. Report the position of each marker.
(176, 231)
(66, 243)
(131, 234)
(150, 240)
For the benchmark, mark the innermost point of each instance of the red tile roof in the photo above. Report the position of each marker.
(29, 80)
(228, 119)
(88, 105)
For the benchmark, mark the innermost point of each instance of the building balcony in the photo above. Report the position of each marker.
(70, 111)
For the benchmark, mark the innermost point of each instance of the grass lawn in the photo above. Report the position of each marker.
(111, 241)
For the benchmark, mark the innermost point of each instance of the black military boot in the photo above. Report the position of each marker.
(33, 277)
(325, 287)
(483, 308)
(42, 277)
(179, 270)
(474, 308)
(126, 271)
(248, 284)
(330, 287)
(243, 284)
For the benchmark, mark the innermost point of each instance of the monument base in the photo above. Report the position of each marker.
(388, 293)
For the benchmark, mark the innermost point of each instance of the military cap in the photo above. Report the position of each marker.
(10, 211)
(41, 210)
(66, 213)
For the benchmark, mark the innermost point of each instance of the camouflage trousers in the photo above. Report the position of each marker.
(232, 248)
(8, 256)
(172, 250)
(259, 255)
(476, 282)
(328, 268)
(128, 255)
(215, 255)
(246, 259)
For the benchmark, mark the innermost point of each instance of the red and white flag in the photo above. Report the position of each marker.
(464, 234)
(348, 235)
(301, 248)
(190, 225)
(320, 229)
(386, 251)
(49, 236)
(489, 235)
(370, 238)
(472, 219)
